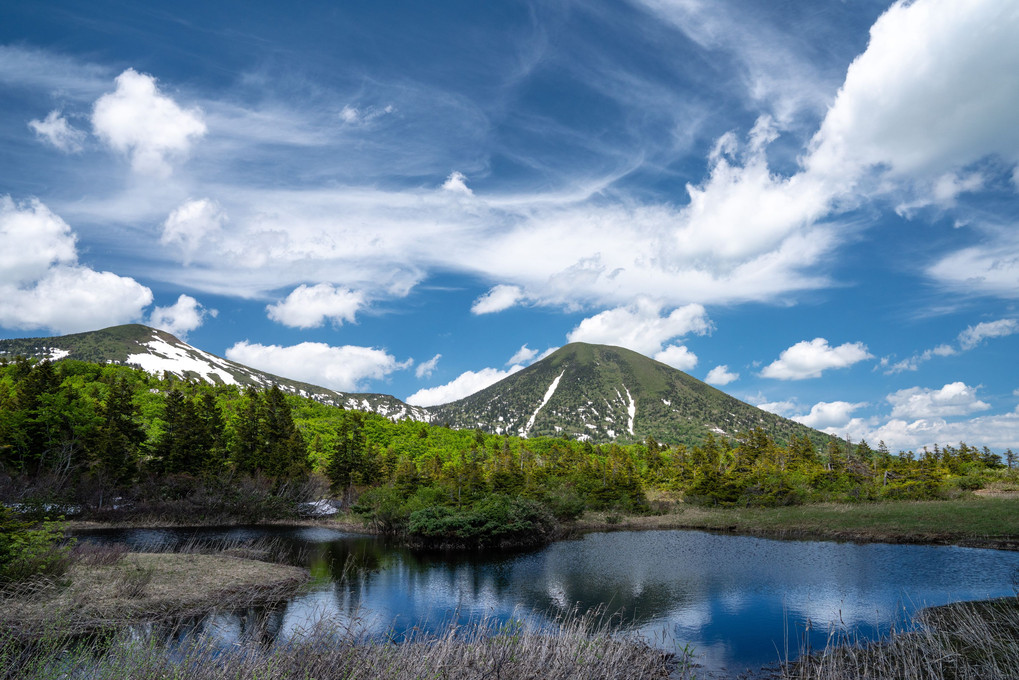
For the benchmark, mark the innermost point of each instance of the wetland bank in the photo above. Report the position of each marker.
(706, 573)
(736, 602)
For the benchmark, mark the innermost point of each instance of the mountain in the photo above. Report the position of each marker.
(591, 392)
(601, 394)
(157, 352)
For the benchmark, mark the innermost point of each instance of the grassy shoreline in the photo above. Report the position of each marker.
(143, 587)
(949, 636)
(987, 521)
(980, 521)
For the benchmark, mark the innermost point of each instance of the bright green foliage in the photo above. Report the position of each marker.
(29, 549)
(81, 434)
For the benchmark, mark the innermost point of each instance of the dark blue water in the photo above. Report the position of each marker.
(738, 602)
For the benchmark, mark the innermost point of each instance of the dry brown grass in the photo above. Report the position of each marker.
(143, 586)
(964, 641)
(581, 647)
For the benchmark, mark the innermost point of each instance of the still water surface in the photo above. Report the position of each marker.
(738, 602)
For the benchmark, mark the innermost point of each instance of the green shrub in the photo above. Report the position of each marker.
(562, 501)
(912, 490)
(968, 482)
(29, 549)
(384, 508)
(495, 520)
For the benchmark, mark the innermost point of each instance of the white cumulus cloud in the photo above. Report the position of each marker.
(954, 399)
(138, 120)
(913, 362)
(58, 133)
(995, 431)
(345, 368)
(829, 414)
(42, 285)
(180, 318)
(522, 355)
(721, 375)
(465, 384)
(457, 183)
(780, 408)
(809, 358)
(677, 356)
(934, 91)
(311, 306)
(642, 326)
(34, 239)
(968, 339)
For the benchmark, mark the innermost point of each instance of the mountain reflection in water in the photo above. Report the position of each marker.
(739, 602)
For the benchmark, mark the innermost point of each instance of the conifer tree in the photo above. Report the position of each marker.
(249, 439)
(118, 438)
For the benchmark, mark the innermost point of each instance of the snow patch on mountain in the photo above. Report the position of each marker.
(631, 410)
(548, 395)
(180, 360)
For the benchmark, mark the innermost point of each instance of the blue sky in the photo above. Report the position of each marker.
(811, 205)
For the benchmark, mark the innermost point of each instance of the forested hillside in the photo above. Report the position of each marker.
(162, 354)
(107, 440)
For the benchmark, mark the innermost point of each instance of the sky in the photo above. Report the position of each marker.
(810, 205)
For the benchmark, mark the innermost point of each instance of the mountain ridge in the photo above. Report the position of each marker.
(596, 393)
(157, 351)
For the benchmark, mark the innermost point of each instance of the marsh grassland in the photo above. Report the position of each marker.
(990, 521)
(963, 641)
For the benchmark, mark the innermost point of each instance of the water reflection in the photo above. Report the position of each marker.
(740, 602)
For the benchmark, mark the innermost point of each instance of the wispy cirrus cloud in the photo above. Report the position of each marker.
(968, 339)
(58, 133)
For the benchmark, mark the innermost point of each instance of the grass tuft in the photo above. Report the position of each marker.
(963, 641)
(580, 647)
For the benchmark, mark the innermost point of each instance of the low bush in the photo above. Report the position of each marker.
(562, 501)
(494, 521)
(31, 549)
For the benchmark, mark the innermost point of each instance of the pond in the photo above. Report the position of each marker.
(739, 602)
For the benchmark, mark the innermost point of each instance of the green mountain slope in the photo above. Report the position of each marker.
(590, 392)
(602, 394)
(158, 352)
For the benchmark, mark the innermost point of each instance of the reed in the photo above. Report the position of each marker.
(963, 641)
(580, 646)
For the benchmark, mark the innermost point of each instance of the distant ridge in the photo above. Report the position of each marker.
(594, 393)
(157, 352)
(601, 393)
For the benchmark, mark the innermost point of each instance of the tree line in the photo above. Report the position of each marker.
(85, 434)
